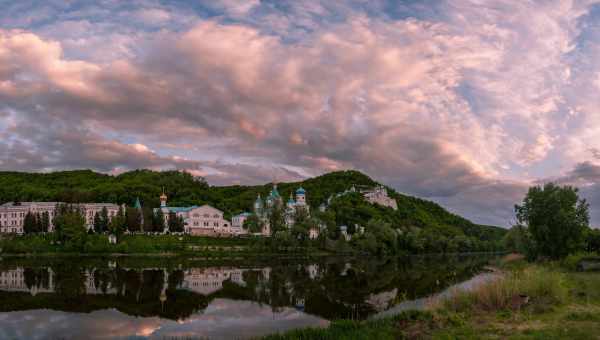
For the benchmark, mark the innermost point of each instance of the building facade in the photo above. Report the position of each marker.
(12, 216)
(379, 195)
(296, 204)
(199, 220)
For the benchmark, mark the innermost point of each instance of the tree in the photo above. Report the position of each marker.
(277, 219)
(379, 238)
(253, 224)
(97, 223)
(518, 239)
(592, 238)
(117, 223)
(556, 218)
(134, 219)
(29, 223)
(158, 221)
(302, 225)
(45, 222)
(176, 223)
(104, 219)
(70, 226)
(148, 219)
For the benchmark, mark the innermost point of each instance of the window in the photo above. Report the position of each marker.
(196, 215)
(216, 224)
(206, 224)
(206, 215)
(216, 216)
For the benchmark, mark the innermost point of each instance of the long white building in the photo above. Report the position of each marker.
(12, 216)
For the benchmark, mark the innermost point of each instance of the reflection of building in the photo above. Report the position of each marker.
(209, 280)
(12, 216)
(14, 281)
(198, 220)
(383, 300)
(313, 271)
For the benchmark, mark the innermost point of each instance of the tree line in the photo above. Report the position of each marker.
(70, 224)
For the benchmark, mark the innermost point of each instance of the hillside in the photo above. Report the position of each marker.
(184, 189)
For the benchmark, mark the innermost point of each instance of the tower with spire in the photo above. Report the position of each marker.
(163, 198)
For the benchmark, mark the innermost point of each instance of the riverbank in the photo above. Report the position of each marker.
(529, 301)
(153, 245)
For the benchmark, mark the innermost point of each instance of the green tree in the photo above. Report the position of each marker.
(148, 225)
(277, 219)
(176, 223)
(45, 222)
(134, 219)
(302, 225)
(97, 223)
(70, 226)
(253, 224)
(592, 238)
(518, 239)
(117, 223)
(104, 220)
(556, 218)
(29, 223)
(158, 221)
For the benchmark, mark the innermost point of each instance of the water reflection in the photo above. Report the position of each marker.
(183, 297)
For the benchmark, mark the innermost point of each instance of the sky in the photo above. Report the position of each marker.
(463, 102)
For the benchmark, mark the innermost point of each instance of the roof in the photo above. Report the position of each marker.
(274, 192)
(300, 190)
(179, 209)
(244, 214)
(137, 204)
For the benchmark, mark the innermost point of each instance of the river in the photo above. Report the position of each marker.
(156, 298)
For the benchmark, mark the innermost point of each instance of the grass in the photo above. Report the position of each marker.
(533, 287)
(43, 244)
(407, 325)
(530, 301)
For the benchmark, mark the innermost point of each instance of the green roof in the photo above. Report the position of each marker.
(137, 204)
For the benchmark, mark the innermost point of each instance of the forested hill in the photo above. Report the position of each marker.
(184, 189)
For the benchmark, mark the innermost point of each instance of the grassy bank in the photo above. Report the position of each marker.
(530, 301)
(163, 245)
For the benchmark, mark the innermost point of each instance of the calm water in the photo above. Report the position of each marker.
(103, 298)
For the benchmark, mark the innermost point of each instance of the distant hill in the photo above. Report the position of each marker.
(185, 189)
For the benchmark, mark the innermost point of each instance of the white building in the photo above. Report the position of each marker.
(237, 223)
(12, 216)
(380, 196)
(199, 220)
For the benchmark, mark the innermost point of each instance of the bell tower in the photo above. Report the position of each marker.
(163, 199)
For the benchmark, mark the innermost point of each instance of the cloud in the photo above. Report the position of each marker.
(457, 106)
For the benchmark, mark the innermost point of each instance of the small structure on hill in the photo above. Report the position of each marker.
(379, 195)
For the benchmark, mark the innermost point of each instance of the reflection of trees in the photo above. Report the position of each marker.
(332, 288)
(69, 281)
(36, 278)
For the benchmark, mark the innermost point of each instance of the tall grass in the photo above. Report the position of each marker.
(533, 286)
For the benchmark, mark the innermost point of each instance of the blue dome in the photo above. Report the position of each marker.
(300, 191)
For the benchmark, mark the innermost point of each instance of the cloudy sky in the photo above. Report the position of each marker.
(466, 103)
